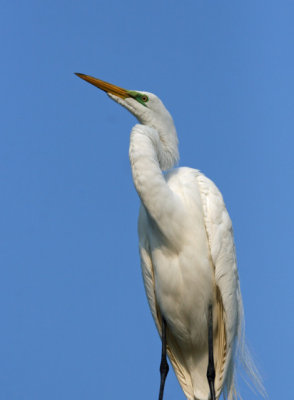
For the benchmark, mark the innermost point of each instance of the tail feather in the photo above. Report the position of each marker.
(245, 360)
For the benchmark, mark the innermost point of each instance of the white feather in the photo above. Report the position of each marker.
(187, 254)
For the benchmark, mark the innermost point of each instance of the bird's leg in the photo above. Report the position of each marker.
(163, 365)
(210, 369)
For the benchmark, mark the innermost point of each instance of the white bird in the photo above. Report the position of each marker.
(187, 254)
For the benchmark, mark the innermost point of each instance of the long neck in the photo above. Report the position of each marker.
(155, 194)
(164, 138)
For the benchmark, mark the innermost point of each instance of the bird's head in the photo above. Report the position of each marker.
(148, 109)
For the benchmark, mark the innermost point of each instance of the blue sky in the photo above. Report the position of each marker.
(74, 319)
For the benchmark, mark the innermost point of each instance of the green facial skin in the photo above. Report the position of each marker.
(141, 98)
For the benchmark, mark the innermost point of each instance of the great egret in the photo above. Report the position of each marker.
(187, 253)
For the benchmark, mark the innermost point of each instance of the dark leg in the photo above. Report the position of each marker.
(163, 365)
(210, 369)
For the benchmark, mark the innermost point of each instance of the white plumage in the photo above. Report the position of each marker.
(188, 262)
(186, 247)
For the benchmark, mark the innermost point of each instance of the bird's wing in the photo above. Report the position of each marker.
(221, 242)
(149, 283)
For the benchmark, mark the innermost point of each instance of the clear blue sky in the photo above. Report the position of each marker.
(74, 319)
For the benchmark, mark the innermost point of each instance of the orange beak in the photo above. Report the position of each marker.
(107, 87)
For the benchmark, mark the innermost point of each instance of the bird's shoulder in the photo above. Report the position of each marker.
(190, 182)
(182, 175)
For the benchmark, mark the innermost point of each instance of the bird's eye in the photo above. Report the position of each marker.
(140, 97)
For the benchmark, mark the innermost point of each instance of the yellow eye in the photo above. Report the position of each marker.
(144, 98)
